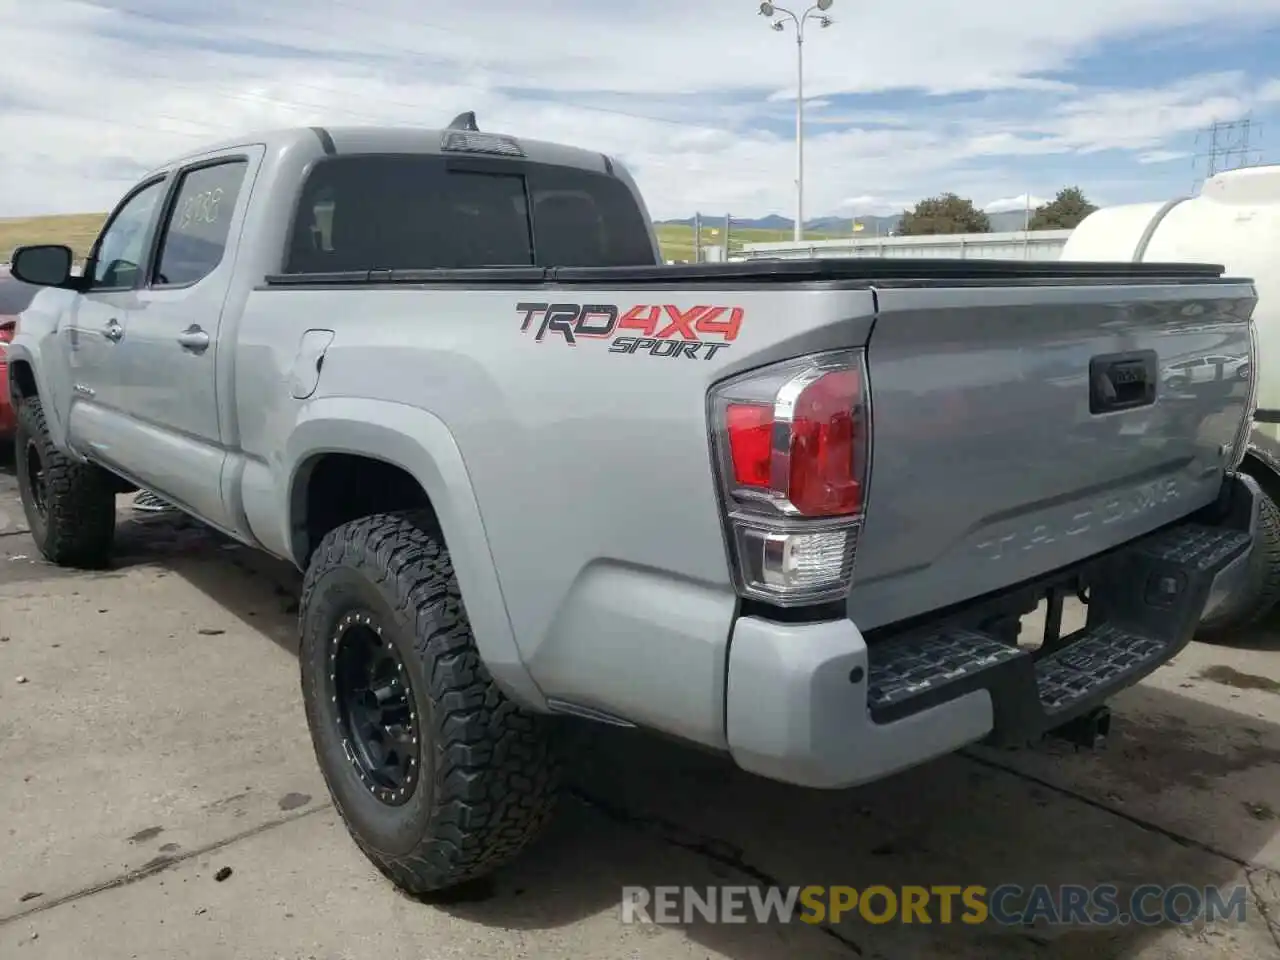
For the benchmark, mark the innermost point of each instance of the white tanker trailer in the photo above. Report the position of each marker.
(1235, 221)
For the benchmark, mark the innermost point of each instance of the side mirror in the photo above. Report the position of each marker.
(44, 265)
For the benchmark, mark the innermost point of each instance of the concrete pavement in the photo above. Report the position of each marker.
(158, 738)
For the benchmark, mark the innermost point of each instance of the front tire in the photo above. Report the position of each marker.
(70, 505)
(439, 777)
(1262, 588)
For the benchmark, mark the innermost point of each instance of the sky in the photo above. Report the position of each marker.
(996, 100)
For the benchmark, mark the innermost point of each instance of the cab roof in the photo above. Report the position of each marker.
(393, 139)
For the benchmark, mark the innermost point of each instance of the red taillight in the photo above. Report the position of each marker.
(794, 447)
(826, 474)
(822, 456)
(8, 327)
(749, 427)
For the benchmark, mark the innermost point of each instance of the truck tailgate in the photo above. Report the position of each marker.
(1020, 428)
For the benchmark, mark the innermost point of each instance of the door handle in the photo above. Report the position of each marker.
(113, 332)
(194, 339)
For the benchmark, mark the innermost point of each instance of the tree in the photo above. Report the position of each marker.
(945, 214)
(1064, 212)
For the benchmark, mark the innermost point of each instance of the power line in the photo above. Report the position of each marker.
(202, 130)
(208, 131)
(401, 53)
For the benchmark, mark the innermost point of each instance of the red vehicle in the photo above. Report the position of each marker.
(14, 298)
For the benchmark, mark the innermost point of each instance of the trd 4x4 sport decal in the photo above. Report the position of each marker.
(659, 331)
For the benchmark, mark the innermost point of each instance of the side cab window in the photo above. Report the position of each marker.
(120, 253)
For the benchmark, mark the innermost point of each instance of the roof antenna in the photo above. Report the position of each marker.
(465, 121)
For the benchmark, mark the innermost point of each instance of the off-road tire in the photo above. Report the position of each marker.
(1261, 591)
(489, 770)
(76, 526)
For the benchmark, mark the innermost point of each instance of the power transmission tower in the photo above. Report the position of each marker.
(1230, 146)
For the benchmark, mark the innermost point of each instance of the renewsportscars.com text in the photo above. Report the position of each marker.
(1004, 905)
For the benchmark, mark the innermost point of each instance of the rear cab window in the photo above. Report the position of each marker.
(421, 212)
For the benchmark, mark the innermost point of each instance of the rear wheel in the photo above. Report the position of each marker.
(1262, 588)
(439, 777)
(70, 506)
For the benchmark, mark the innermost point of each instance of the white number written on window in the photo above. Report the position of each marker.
(200, 207)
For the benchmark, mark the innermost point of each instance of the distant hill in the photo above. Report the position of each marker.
(840, 226)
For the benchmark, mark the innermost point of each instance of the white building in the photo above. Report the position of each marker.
(1015, 245)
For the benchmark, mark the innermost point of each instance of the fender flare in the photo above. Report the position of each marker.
(23, 351)
(1262, 455)
(421, 444)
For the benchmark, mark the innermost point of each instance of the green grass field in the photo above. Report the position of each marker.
(78, 230)
(677, 240)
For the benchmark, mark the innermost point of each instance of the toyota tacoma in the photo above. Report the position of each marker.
(793, 512)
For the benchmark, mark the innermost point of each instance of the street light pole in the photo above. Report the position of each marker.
(818, 11)
(799, 229)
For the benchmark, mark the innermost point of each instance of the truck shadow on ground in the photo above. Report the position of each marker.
(1146, 810)
(1179, 796)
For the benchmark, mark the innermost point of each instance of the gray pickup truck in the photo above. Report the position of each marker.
(792, 512)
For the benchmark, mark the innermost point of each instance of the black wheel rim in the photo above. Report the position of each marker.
(35, 479)
(377, 719)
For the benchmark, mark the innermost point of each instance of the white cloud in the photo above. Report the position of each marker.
(90, 95)
(872, 206)
(1162, 156)
(1136, 119)
(1023, 202)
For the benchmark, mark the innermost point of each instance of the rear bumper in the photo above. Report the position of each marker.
(816, 705)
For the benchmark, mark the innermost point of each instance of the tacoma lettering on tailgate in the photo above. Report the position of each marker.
(661, 330)
(1113, 508)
